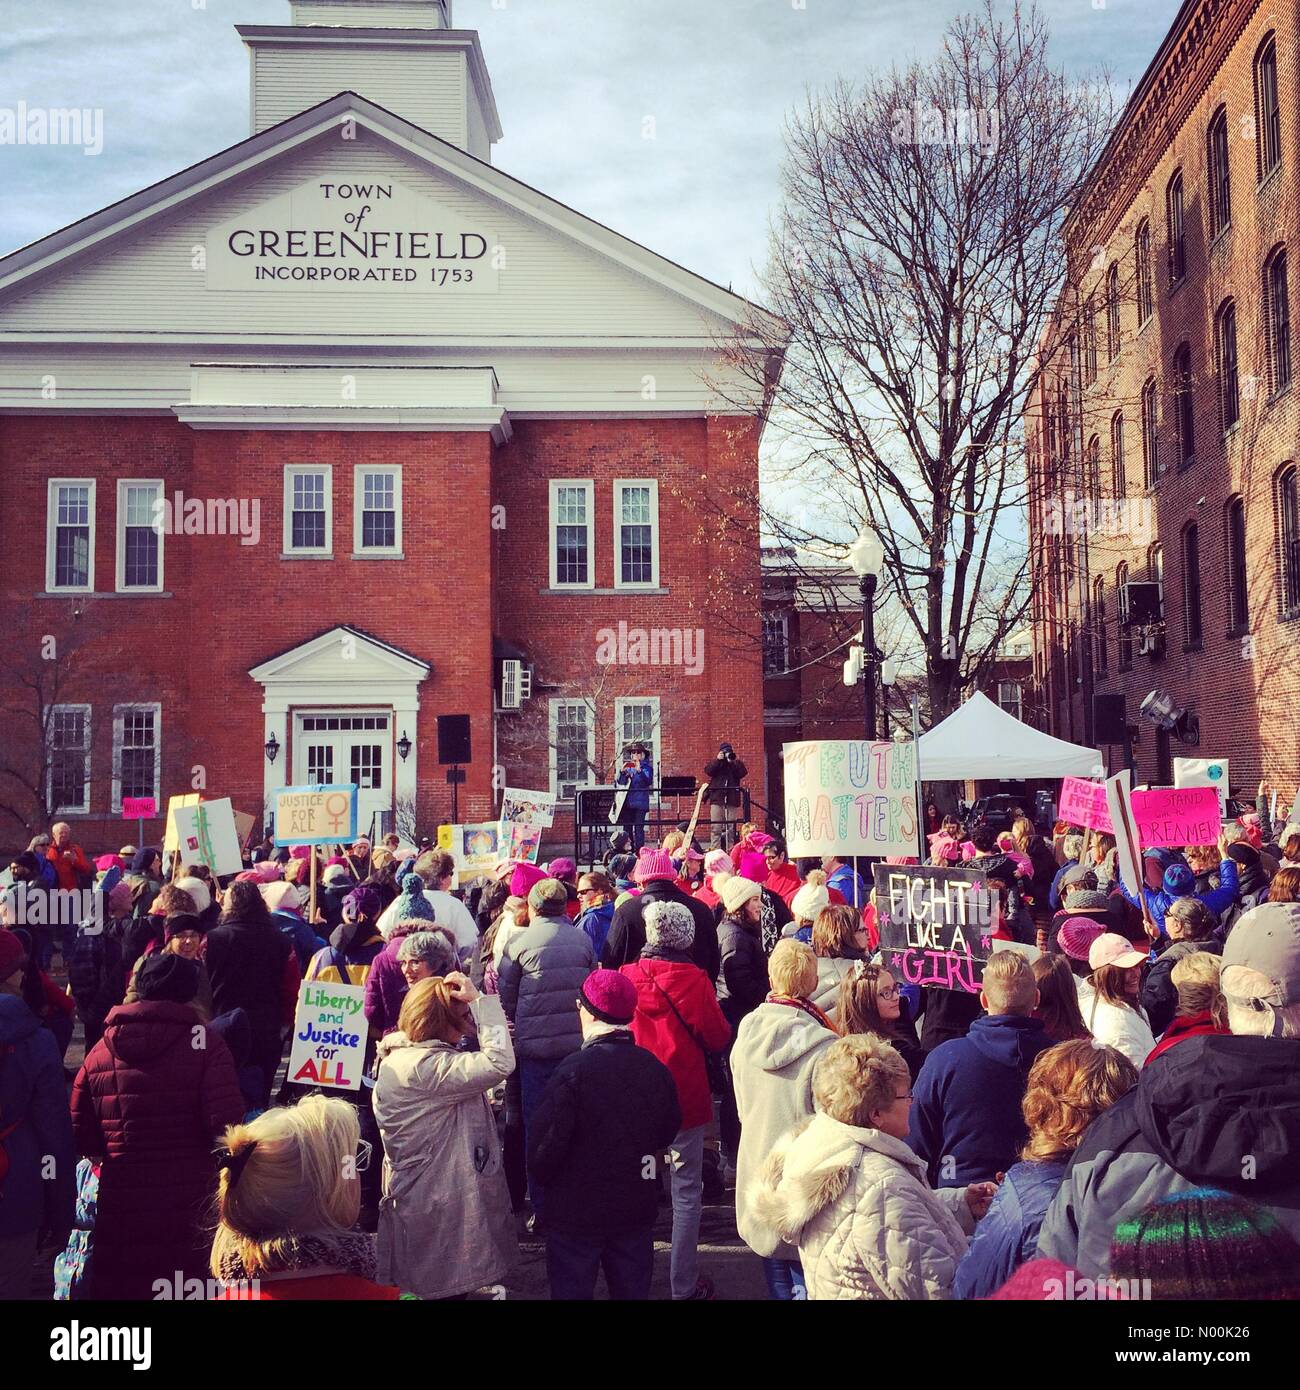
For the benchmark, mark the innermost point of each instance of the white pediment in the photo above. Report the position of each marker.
(341, 663)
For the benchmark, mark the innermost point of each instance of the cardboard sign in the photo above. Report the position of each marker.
(519, 842)
(206, 834)
(850, 796)
(1295, 810)
(935, 925)
(1083, 803)
(1204, 772)
(475, 848)
(170, 842)
(329, 1036)
(528, 808)
(1174, 817)
(316, 815)
(139, 807)
(244, 824)
(1127, 843)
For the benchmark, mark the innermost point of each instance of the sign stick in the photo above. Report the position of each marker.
(916, 755)
(311, 911)
(1087, 839)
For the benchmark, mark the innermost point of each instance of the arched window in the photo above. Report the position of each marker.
(1225, 352)
(1268, 110)
(1150, 434)
(1277, 318)
(1101, 652)
(1112, 312)
(1142, 271)
(1156, 575)
(1192, 632)
(1092, 469)
(1124, 643)
(1089, 343)
(1235, 547)
(1288, 531)
(1175, 235)
(1118, 478)
(1184, 414)
(1217, 157)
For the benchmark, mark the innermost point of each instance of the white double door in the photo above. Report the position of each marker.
(345, 746)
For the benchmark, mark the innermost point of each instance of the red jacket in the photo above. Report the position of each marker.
(658, 1029)
(67, 870)
(1188, 1026)
(706, 895)
(784, 882)
(150, 1100)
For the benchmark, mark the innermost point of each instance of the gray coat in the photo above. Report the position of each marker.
(538, 981)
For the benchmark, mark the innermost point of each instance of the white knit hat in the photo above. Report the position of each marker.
(809, 901)
(736, 892)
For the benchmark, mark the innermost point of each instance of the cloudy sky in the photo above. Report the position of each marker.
(575, 81)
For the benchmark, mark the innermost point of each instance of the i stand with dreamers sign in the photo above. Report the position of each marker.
(848, 796)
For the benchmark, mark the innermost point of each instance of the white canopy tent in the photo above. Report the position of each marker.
(981, 741)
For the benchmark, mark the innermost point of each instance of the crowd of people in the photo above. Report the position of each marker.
(559, 1053)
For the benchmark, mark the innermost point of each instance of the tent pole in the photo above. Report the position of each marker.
(920, 798)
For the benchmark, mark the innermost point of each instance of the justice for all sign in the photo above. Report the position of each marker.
(352, 235)
(935, 925)
(329, 1036)
(315, 815)
(847, 797)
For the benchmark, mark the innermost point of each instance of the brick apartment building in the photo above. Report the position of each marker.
(1168, 404)
(428, 437)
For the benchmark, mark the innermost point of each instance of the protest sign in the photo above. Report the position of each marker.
(170, 843)
(138, 807)
(244, 824)
(1295, 809)
(329, 1036)
(528, 808)
(1083, 803)
(315, 815)
(1173, 817)
(1127, 844)
(206, 834)
(475, 848)
(848, 797)
(935, 925)
(1204, 772)
(519, 842)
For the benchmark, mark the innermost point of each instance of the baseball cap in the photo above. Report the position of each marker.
(1267, 939)
(1112, 949)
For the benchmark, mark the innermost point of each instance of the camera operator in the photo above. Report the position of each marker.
(725, 773)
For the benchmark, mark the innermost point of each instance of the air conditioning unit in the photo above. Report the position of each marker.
(516, 684)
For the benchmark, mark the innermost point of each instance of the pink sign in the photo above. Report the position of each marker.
(1176, 816)
(1084, 803)
(138, 807)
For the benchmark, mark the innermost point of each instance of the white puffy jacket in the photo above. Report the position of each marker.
(1126, 1030)
(856, 1203)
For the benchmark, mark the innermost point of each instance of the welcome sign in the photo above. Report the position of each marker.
(349, 235)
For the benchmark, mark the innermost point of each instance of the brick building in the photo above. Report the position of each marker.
(343, 429)
(1165, 434)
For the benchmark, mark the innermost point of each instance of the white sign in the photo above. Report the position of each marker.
(349, 235)
(847, 797)
(528, 808)
(329, 1036)
(1128, 849)
(206, 834)
(1204, 772)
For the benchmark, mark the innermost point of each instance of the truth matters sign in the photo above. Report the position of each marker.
(935, 925)
(349, 235)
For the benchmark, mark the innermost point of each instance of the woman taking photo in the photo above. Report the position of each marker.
(445, 1227)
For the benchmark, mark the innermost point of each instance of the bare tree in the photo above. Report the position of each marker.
(914, 263)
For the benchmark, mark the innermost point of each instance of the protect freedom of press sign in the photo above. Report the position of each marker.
(848, 797)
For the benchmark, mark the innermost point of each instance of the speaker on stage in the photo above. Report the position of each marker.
(1109, 719)
(453, 738)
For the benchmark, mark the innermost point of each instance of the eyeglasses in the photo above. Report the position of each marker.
(586, 892)
(889, 992)
(907, 1095)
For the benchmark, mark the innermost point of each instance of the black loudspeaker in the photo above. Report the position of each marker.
(453, 738)
(1109, 720)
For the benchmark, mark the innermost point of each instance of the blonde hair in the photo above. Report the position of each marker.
(834, 930)
(1069, 1086)
(675, 839)
(430, 1013)
(856, 1076)
(1196, 978)
(1008, 982)
(294, 1176)
(1022, 832)
(1202, 856)
(379, 858)
(792, 969)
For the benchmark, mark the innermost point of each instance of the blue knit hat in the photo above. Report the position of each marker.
(411, 901)
(1179, 880)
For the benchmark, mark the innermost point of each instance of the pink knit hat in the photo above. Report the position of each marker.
(655, 864)
(609, 996)
(281, 897)
(523, 878)
(752, 866)
(109, 861)
(300, 852)
(718, 861)
(1077, 934)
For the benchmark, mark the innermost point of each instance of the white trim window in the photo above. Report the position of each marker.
(636, 533)
(137, 752)
(572, 739)
(309, 509)
(70, 536)
(67, 775)
(139, 536)
(572, 547)
(1010, 697)
(776, 644)
(636, 717)
(376, 510)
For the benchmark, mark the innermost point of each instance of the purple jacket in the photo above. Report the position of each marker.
(386, 986)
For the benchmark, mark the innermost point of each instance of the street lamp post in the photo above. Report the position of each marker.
(867, 556)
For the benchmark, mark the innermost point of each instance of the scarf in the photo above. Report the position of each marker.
(806, 1005)
(351, 1251)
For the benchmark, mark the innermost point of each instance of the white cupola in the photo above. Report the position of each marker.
(401, 54)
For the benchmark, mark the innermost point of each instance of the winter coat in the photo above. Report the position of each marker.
(948, 1014)
(867, 1224)
(1158, 996)
(842, 880)
(33, 1098)
(725, 776)
(784, 882)
(1007, 1234)
(541, 972)
(95, 972)
(1181, 1028)
(771, 1067)
(445, 1226)
(742, 978)
(1218, 900)
(352, 964)
(300, 935)
(831, 971)
(386, 985)
(596, 922)
(1114, 1025)
(626, 936)
(70, 872)
(150, 1103)
(1195, 1116)
(247, 963)
(968, 1096)
(638, 781)
(678, 1021)
(774, 918)
(607, 1108)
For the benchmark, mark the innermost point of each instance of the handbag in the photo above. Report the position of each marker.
(715, 1066)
